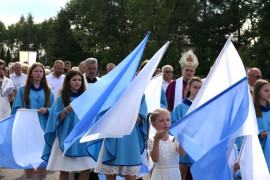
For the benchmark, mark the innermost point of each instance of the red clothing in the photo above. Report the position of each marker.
(170, 94)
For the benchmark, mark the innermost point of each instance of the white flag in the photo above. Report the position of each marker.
(125, 110)
(27, 138)
(219, 79)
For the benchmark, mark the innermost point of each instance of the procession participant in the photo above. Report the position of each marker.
(5, 83)
(56, 77)
(61, 122)
(91, 67)
(110, 67)
(179, 112)
(254, 74)
(25, 68)
(18, 77)
(177, 88)
(82, 67)
(67, 65)
(167, 71)
(261, 97)
(121, 156)
(35, 94)
(164, 149)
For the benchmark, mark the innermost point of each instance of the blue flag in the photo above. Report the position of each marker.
(104, 93)
(213, 165)
(205, 132)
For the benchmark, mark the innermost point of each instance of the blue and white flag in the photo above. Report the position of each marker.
(205, 132)
(213, 134)
(203, 128)
(104, 93)
(108, 125)
(21, 147)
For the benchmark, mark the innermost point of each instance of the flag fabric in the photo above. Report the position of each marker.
(217, 119)
(208, 129)
(21, 147)
(252, 161)
(225, 77)
(153, 101)
(105, 127)
(103, 94)
(204, 169)
(27, 150)
(153, 93)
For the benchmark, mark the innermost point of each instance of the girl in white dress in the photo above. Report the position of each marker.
(61, 121)
(164, 149)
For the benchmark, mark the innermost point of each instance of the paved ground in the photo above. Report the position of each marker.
(16, 174)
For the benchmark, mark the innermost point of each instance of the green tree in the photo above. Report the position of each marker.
(3, 53)
(61, 44)
(217, 20)
(261, 51)
(8, 57)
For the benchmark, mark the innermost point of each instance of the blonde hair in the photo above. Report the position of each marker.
(152, 116)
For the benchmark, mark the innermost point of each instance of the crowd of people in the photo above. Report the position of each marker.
(51, 90)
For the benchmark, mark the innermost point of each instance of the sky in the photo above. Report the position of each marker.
(12, 10)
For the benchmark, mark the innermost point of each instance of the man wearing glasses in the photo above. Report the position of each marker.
(254, 74)
(175, 92)
(167, 71)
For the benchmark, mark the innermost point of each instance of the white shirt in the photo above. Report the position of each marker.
(55, 84)
(18, 81)
(5, 108)
(165, 84)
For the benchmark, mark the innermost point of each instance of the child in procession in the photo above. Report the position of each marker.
(61, 122)
(35, 94)
(180, 111)
(261, 97)
(164, 149)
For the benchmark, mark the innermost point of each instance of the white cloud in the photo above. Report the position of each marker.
(12, 10)
(9, 19)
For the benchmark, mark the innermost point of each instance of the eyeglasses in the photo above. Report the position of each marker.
(2, 69)
(189, 70)
(169, 72)
(257, 77)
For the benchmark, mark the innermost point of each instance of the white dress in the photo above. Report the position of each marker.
(111, 170)
(5, 108)
(57, 162)
(167, 166)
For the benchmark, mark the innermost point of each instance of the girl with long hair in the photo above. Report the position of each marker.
(35, 94)
(61, 122)
(261, 98)
(180, 111)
